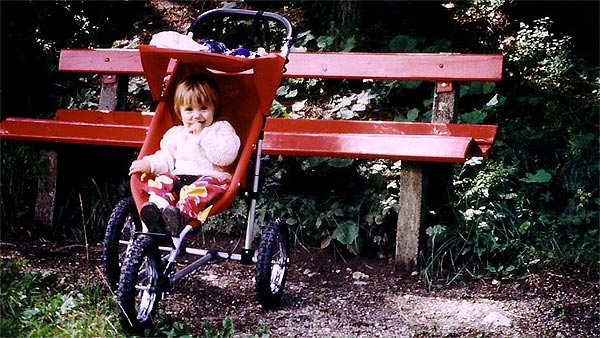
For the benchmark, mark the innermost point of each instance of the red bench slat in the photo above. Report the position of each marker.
(297, 137)
(405, 147)
(483, 135)
(383, 66)
(72, 132)
(128, 118)
(394, 147)
(102, 61)
(396, 66)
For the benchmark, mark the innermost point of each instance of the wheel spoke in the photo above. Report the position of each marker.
(139, 291)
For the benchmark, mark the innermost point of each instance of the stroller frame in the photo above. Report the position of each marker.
(144, 275)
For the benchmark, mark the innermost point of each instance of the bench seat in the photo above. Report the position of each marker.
(115, 128)
(410, 141)
(296, 137)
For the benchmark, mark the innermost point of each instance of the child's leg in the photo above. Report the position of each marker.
(196, 199)
(161, 190)
(161, 195)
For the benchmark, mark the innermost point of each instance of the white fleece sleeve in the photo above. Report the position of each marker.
(163, 160)
(220, 143)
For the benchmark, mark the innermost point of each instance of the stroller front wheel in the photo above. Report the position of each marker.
(140, 289)
(122, 224)
(272, 263)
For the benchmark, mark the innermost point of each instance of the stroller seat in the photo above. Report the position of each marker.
(247, 87)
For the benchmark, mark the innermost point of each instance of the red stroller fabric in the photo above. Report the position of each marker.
(247, 88)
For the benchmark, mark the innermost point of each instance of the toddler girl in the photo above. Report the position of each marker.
(192, 164)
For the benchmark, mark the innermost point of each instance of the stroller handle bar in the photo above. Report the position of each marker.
(285, 47)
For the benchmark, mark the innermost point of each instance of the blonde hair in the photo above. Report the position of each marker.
(197, 90)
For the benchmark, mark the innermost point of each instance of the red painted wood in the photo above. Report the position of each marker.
(397, 140)
(395, 147)
(103, 61)
(384, 66)
(376, 139)
(128, 118)
(483, 135)
(72, 132)
(298, 137)
(396, 66)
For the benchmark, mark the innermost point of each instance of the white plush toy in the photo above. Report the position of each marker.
(170, 39)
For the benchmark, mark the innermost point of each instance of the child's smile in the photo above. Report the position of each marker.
(195, 118)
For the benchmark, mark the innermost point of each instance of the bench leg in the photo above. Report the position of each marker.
(46, 189)
(409, 216)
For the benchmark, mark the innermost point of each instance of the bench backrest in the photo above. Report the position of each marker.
(442, 68)
(382, 66)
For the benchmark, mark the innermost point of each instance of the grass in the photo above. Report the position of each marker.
(45, 304)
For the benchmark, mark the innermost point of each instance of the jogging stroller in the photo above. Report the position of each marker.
(132, 258)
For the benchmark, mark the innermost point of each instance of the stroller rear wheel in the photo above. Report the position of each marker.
(272, 263)
(123, 222)
(139, 287)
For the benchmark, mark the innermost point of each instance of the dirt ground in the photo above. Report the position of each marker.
(330, 296)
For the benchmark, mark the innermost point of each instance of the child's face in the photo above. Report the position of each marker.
(197, 117)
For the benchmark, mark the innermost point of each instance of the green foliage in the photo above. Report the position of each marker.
(333, 41)
(349, 106)
(543, 58)
(332, 201)
(227, 331)
(40, 304)
(43, 304)
(536, 200)
(403, 43)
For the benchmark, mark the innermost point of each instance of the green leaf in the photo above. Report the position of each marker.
(324, 41)
(540, 176)
(346, 232)
(522, 229)
(282, 90)
(488, 87)
(412, 114)
(413, 84)
(403, 43)
(474, 117)
(299, 105)
(340, 162)
(435, 230)
(359, 107)
(348, 44)
(291, 94)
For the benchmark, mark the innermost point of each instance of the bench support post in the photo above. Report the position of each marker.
(413, 185)
(113, 94)
(46, 188)
(443, 103)
(409, 215)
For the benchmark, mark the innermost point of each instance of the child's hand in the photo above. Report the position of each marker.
(195, 128)
(139, 166)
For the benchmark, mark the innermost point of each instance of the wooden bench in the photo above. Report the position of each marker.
(413, 143)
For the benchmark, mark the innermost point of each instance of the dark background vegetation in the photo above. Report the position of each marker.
(538, 192)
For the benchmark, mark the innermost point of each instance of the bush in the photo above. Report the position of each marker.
(536, 199)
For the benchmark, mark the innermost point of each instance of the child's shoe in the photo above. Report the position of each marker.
(172, 219)
(151, 216)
